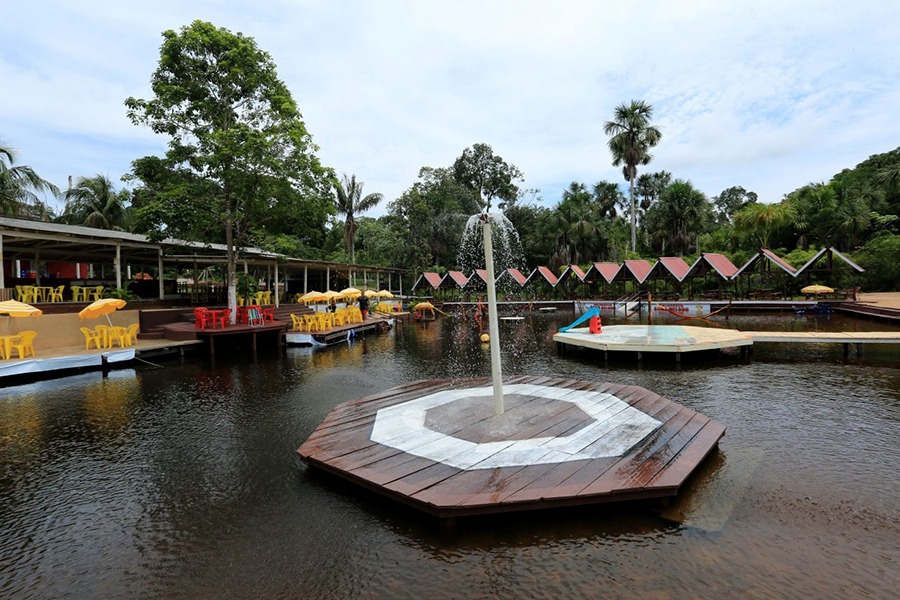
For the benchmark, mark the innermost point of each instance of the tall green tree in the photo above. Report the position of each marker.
(631, 138)
(730, 201)
(350, 202)
(95, 202)
(760, 222)
(487, 176)
(20, 186)
(677, 221)
(237, 141)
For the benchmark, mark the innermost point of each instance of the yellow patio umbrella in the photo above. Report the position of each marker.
(424, 306)
(101, 307)
(817, 289)
(14, 308)
(312, 297)
(371, 293)
(350, 292)
(385, 294)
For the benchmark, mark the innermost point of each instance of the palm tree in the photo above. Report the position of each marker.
(20, 185)
(94, 202)
(349, 201)
(632, 136)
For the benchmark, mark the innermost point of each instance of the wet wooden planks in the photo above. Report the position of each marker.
(654, 467)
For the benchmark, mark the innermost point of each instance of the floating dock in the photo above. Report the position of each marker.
(438, 446)
(676, 339)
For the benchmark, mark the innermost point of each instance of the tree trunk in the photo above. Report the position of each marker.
(232, 264)
(633, 217)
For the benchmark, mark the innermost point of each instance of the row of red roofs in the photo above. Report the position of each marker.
(632, 270)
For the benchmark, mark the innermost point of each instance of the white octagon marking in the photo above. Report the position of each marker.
(617, 427)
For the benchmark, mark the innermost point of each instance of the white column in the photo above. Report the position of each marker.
(118, 266)
(276, 284)
(159, 276)
(493, 327)
(2, 275)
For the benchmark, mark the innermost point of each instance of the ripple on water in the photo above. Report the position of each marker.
(184, 482)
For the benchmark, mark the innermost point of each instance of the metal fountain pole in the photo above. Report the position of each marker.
(493, 328)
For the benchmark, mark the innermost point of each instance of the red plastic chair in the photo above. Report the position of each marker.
(201, 318)
(268, 314)
(223, 318)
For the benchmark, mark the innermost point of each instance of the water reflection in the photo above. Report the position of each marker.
(184, 482)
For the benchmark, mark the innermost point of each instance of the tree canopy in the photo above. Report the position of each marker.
(238, 148)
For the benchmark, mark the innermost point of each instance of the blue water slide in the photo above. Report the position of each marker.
(592, 312)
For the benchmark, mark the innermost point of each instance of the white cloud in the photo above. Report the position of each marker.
(768, 95)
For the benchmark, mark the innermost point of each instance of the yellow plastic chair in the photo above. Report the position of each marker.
(103, 332)
(117, 334)
(20, 293)
(133, 333)
(95, 294)
(340, 316)
(24, 343)
(76, 292)
(298, 322)
(91, 338)
(56, 295)
(311, 322)
(28, 294)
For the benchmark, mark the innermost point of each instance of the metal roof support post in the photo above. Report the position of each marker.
(305, 278)
(37, 267)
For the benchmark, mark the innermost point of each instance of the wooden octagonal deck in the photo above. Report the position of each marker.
(437, 445)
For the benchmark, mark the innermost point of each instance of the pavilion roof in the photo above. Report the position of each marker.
(637, 268)
(828, 250)
(669, 265)
(454, 278)
(765, 253)
(546, 274)
(431, 278)
(607, 270)
(513, 274)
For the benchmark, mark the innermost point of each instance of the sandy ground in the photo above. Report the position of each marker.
(884, 299)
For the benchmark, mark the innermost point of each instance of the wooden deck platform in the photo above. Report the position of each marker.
(439, 447)
(338, 333)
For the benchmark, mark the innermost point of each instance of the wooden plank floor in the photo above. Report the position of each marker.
(439, 447)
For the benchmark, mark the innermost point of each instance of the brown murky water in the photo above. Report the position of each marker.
(183, 482)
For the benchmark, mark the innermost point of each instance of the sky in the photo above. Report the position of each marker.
(767, 95)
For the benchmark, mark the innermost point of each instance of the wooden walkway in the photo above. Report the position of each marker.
(437, 445)
(858, 338)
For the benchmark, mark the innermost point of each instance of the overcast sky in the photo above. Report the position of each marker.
(768, 95)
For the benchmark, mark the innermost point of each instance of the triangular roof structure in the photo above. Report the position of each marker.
(513, 274)
(711, 261)
(669, 265)
(454, 279)
(569, 272)
(431, 278)
(606, 270)
(833, 252)
(765, 253)
(639, 269)
(477, 280)
(543, 273)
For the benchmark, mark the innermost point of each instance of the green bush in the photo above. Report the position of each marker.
(879, 257)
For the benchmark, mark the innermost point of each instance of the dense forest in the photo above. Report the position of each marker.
(247, 175)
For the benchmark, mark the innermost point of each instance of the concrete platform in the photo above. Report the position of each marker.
(655, 338)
